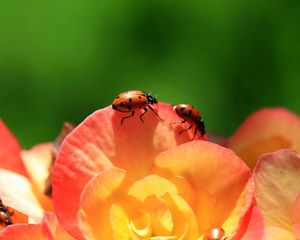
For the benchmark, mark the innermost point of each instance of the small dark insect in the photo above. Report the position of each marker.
(5, 215)
(215, 233)
(130, 101)
(191, 115)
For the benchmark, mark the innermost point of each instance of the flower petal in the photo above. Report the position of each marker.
(95, 208)
(265, 131)
(277, 178)
(10, 151)
(205, 209)
(209, 167)
(234, 223)
(52, 230)
(253, 225)
(184, 219)
(161, 216)
(22, 232)
(37, 161)
(16, 192)
(119, 223)
(148, 186)
(296, 217)
(272, 232)
(100, 142)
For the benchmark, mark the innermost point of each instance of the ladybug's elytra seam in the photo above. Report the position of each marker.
(133, 100)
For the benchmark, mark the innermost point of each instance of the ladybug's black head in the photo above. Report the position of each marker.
(151, 99)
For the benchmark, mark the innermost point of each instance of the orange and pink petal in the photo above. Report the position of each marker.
(296, 217)
(277, 178)
(266, 130)
(22, 232)
(252, 226)
(51, 228)
(95, 203)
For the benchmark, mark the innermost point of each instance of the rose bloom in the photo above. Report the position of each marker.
(145, 181)
(266, 130)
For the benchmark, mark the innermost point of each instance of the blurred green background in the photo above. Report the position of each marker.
(61, 59)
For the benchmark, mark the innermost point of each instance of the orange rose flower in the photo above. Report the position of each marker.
(145, 181)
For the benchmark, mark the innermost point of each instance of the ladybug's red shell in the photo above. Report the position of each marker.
(216, 233)
(188, 113)
(130, 100)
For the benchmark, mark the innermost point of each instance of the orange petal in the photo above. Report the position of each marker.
(119, 223)
(22, 232)
(141, 226)
(37, 161)
(236, 219)
(161, 216)
(10, 151)
(16, 192)
(277, 178)
(51, 228)
(209, 167)
(205, 210)
(96, 200)
(149, 186)
(296, 217)
(185, 189)
(184, 219)
(265, 131)
(100, 142)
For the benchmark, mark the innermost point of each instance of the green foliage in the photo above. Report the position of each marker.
(61, 60)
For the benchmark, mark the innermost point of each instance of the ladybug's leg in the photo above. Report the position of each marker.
(151, 108)
(195, 132)
(186, 129)
(178, 122)
(132, 113)
(141, 116)
(10, 212)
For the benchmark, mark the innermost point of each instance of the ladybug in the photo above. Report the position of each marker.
(5, 215)
(215, 233)
(191, 115)
(130, 101)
